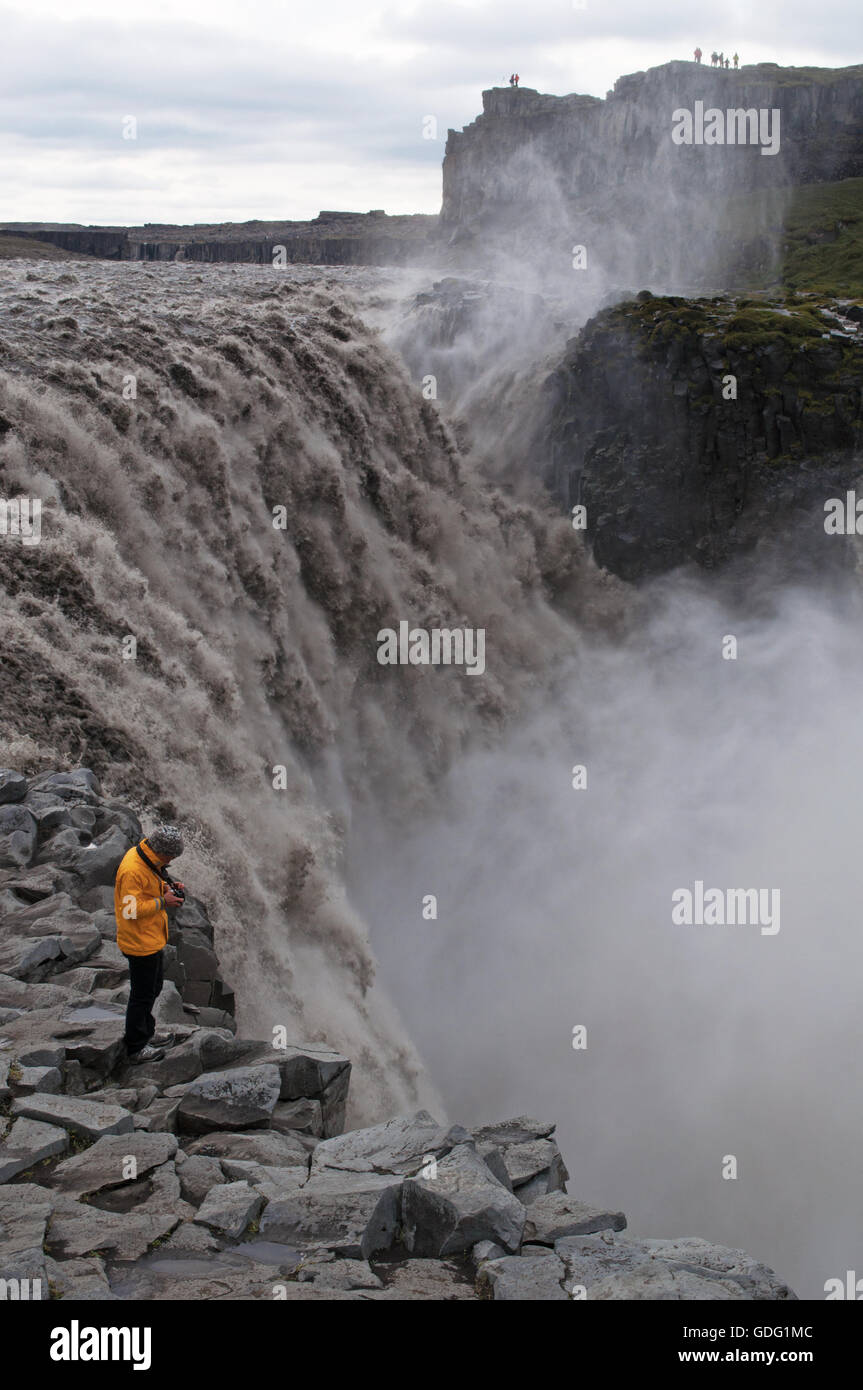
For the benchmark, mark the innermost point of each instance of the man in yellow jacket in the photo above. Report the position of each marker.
(142, 893)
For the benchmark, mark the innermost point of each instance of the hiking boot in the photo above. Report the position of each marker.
(165, 1040)
(146, 1054)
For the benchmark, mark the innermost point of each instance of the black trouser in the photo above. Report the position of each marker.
(146, 974)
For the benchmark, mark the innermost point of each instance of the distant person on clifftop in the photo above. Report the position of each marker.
(143, 892)
(512, 79)
(516, 79)
(714, 59)
(698, 55)
(736, 60)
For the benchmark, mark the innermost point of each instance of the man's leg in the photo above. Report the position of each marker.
(142, 975)
(158, 981)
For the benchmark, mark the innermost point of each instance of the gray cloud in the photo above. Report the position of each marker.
(333, 124)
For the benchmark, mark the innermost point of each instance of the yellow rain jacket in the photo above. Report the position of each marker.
(139, 907)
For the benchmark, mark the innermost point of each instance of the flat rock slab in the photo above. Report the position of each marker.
(75, 1229)
(21, 955)
(85, 1117)
(597, 1259)
(307, 1073)
(197, 1175)
(18, 834)
(537, 1159)
(112, 1161)
(462, 1204)
(32, 1079)
(80, 1281)
(524, 1278)
(24, 994)
(261, 1146)
(272, 1183)
(522, 1130)
(416, 1280)
(13, 786)
(400, 1146)
(327, 1272)
(228, 1209)
(757, 1280)
(160, 1116)
(29, 1142)
(662, 1283)
(354, 1214)
(180, 1066)
(244, 1281)
(239, 1099)
(556, 1215)
(25, 1209)
(300, 1116)
(192, 1239)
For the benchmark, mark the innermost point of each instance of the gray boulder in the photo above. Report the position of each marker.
(80, 1281)
(354, 1214)
(609, 1259)
(262, 1146)
(662, 1283)
(18, 837)
(298, 1117)
(32, 1079)
(25, 1210)
(160, 1116)
(524, 1278)
(80, 785)
(229, 1208)
(181, 1065)
(230, 1100)
(534, 1168)
(29, 1142)
(13, 786)
(64, 845)
(327, 1272)
(486, 1250)
(306, 1072)
(399, 1146)
(272, 1183)
(85, 1117)
(756, 1280)
(76, 1229)
(197, 1175)
(555, 1215)
(424, 1281)
(21, 956)
(112, 1162)
(521, 1130)
(98, 862)
(462, 1204)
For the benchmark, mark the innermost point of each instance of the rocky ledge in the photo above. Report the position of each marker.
(222, 1171)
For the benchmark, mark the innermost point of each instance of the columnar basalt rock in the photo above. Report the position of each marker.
(694, 431)
(220, 1142)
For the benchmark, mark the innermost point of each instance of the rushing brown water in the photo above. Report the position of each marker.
(166, 418)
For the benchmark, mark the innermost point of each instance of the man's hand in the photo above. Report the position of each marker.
(171, 898)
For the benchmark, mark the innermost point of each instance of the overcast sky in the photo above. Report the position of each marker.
(269, 109)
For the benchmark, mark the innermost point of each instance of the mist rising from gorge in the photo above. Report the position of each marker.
(554, 910)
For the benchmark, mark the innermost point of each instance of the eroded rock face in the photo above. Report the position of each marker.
(530, 175)
(637, 428)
